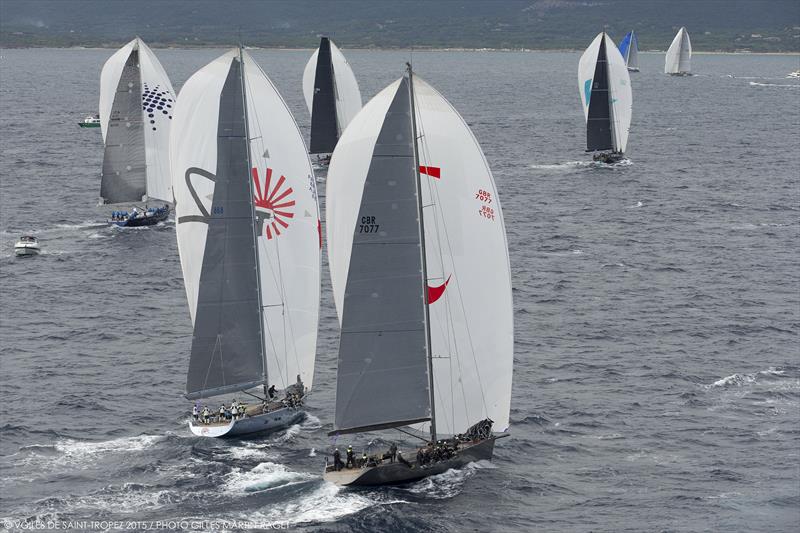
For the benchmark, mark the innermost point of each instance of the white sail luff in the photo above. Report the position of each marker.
(289, 245)
(157, 127)
(109, 78)
(620, 95)
(348, 96)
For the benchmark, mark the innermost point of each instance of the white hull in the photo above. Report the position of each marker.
(262, 423)
(26, 249)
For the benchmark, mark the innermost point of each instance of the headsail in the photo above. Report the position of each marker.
(679, 56)
(332, 95)
(136, 102)
(247, 228)
(469, 282)
(605, 89)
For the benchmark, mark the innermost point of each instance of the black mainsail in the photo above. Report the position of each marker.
(598, 123)
(324, 125)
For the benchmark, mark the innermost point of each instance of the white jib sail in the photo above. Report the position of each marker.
(586, 68)
(348, 95)
(285, 199)
(158, 100)
(679, 56)
(467, 256)
(620, 95)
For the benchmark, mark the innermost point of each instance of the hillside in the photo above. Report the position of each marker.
(715, 25)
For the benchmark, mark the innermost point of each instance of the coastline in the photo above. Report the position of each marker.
(392, 49)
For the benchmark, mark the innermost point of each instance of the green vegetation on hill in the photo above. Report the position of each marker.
(714, 25)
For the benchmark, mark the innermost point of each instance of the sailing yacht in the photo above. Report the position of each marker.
(629, 48)
(422, 286)
(136, 109)
(605, 88)
(678, 61)
(332, 96)
(248, 233)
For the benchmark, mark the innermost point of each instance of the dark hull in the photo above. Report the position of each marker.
(398, 473)
(142, 220)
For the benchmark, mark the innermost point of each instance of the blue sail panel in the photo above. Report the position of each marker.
(625, 44)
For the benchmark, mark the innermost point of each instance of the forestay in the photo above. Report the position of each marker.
(267, 200)
(136, 104)
(679, 55)
(469, 283)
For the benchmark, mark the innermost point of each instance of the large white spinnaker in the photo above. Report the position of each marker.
(679, 55)
(612, 77)
(155, 104)
(469, 283)
(283, 202)
(347, 94)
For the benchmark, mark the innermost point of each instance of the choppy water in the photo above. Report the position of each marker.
(657, 377)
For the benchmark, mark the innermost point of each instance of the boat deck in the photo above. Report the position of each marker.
(250, 410)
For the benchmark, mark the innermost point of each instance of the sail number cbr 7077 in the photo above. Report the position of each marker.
(368, 225)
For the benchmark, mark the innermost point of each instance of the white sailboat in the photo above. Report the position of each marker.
(249, 238)
(629, 48)
(678, 61)
(136, 109)
(422, 286)
(332, 96)
(605, 88)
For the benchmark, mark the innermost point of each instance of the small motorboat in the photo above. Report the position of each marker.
(90, 122)
(27, 245)
(149, 217)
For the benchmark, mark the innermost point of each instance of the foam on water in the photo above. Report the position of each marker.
(792, 85)
(448, 484)
(326, 503)
(264, 476)
(738, 380)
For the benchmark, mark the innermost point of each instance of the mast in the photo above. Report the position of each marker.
(611, 117)
(422, 251)
(255, 222)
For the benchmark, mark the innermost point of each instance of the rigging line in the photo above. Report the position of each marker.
(279, 279)
(449, 322)
(449, 246)
(423, 439)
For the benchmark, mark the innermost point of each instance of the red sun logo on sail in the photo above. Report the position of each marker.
(273, 203)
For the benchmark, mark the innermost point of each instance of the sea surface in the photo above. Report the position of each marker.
(657, 314)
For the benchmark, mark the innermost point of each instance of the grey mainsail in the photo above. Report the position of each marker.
(598, 123)
(382, 378)
(324, 125)
(124, 177)
(227, 346)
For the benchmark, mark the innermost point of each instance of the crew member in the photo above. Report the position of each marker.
(351, 458)
(271, 392)
(337, 460)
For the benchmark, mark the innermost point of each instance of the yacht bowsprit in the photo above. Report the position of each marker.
(605, 89)
(421, 281)
(248, 234)
(136, 107)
